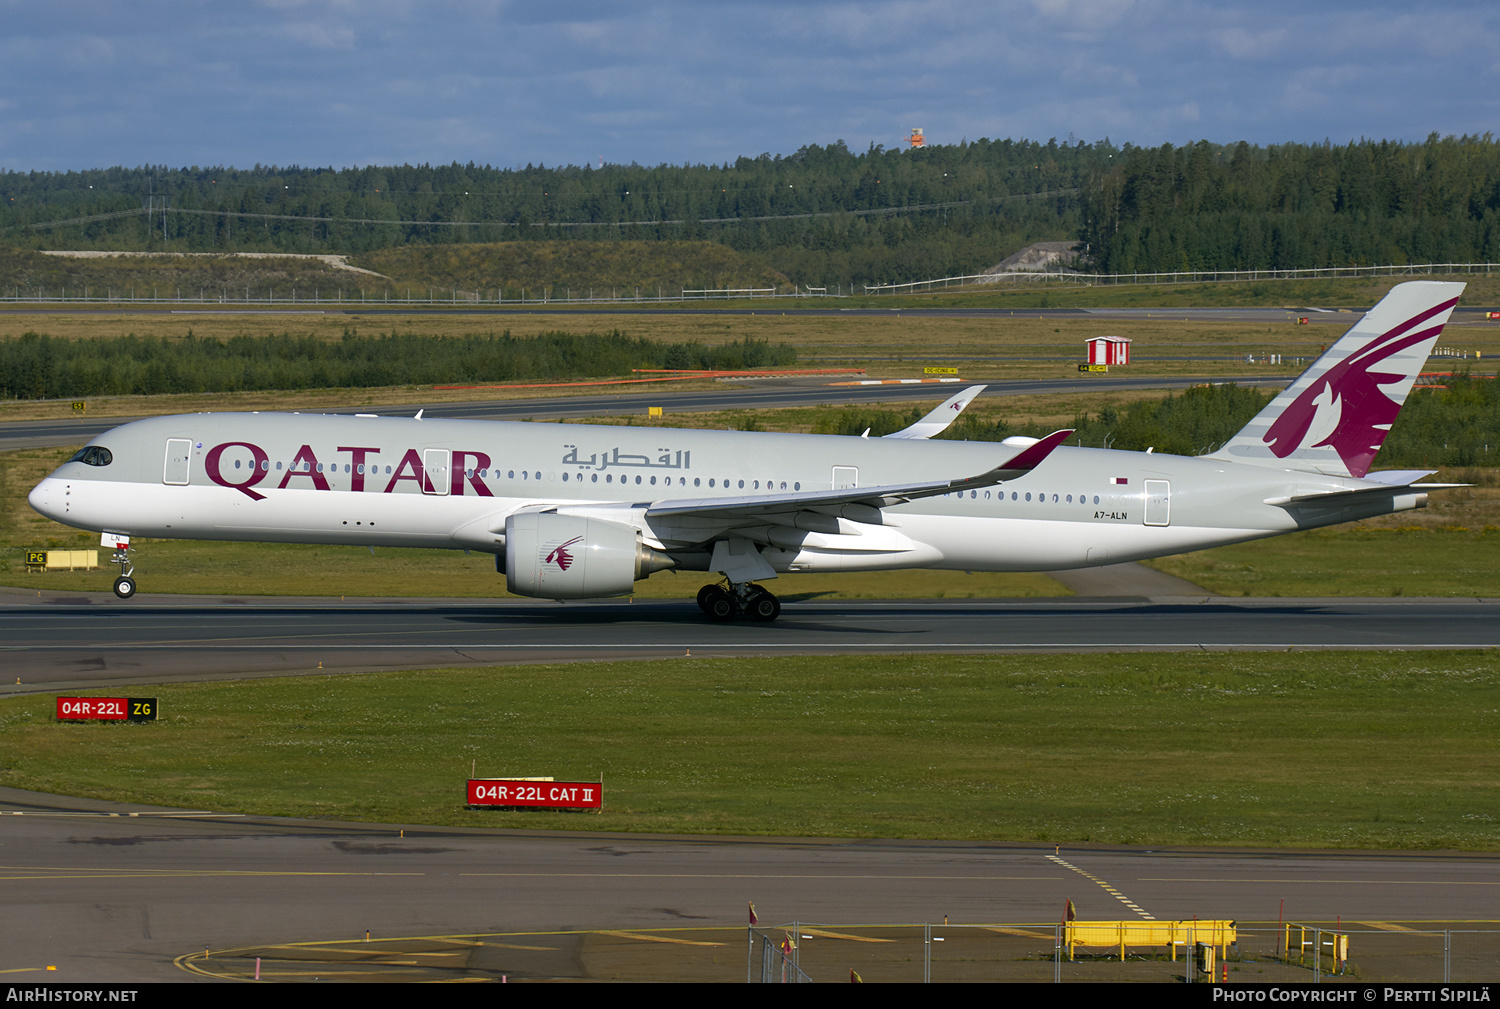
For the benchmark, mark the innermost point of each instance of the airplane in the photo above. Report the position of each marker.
(573, 511)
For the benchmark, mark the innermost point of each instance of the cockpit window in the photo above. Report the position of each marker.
(93, 455)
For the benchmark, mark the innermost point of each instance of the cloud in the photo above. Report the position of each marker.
(319, 36)
(1242, 44)
(333, 82)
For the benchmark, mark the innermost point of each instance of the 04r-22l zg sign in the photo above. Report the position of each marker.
(109, 709)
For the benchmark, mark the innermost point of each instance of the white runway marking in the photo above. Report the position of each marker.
(1116, 894)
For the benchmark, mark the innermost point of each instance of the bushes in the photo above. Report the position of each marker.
(36, 366)
(1456, 426)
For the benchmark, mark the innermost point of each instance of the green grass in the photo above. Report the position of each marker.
(1359, 560)
(1332, 749)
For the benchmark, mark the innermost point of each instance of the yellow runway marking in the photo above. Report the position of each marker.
(658, 938)
(842, 935)
(1024, 933)
(1301, 882)
(733, 875)
(353, 945)
(48, 873)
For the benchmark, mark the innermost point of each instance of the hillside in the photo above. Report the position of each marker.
(27, 272)
(554, 267)
(575, 266)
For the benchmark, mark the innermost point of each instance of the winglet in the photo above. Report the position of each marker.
(1031, 456)
(1023, 462)
(939, 419)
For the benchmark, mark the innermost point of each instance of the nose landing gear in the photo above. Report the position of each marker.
(125, 584)
(733, 599)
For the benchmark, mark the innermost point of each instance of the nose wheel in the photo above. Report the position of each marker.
(725, 602)
(125, 584)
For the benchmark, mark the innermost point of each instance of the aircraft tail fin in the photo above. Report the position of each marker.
(1335, 416)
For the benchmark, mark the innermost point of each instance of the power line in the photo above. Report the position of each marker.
(913, 208)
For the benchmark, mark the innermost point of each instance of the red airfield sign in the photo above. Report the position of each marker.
(536, 794)
(112, 709)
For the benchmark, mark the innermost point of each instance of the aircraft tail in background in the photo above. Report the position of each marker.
(1335, 416)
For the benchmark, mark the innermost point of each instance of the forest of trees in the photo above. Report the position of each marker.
(821, 216)
(826, 215)
(1292, 206)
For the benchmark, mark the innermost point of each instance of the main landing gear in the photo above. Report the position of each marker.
(732, 599)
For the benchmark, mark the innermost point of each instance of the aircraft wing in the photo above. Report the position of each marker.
(746, 506)
(936, 422)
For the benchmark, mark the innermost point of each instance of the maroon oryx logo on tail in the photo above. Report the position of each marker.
(560, 555)
(1344, 408)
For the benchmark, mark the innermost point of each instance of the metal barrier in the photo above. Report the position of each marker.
(1264, 953)
(773, 960)
(1167, 935)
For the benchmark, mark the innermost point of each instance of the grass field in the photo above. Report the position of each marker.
(1450, 548)
(1299, 750)
(1342, 750)
(894, 346)
(982, 350)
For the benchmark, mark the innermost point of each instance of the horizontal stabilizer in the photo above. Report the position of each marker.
(1390, 481)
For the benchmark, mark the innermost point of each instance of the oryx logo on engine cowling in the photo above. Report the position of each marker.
(561, 556)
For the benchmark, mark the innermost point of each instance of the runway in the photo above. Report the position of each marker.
(116, 893)
(129, 893)
(71, 641)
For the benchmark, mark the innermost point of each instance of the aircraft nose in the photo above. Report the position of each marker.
(46, 498)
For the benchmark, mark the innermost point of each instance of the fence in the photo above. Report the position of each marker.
(385, 297)
(455, 297)
(1019, 277)
(1267, 953)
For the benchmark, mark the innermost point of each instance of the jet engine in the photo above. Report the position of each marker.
(570, 557)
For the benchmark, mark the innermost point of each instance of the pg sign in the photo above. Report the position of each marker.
(535, 794)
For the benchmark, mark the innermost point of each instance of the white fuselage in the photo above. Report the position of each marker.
(452, 484)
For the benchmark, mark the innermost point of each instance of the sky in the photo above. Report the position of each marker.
(340, 83)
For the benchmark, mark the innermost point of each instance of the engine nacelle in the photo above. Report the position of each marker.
(569, 557)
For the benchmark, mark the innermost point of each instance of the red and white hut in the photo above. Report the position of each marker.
(1109, 350)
